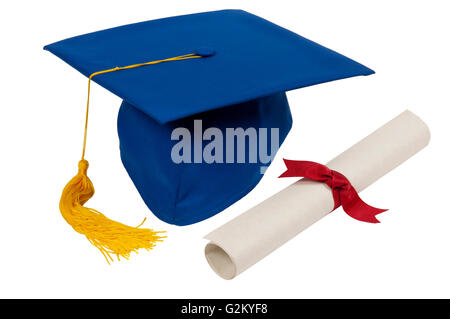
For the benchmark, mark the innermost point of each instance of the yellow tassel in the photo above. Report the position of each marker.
(108, 236)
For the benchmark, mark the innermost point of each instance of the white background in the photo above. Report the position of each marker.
(41, 121)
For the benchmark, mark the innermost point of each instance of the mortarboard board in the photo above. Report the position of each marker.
(229, 69)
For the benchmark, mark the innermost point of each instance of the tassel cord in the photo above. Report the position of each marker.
(110, 237)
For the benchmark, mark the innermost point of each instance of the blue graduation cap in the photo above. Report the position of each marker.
(229, 69)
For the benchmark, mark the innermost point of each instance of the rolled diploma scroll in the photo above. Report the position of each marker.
(248, 238)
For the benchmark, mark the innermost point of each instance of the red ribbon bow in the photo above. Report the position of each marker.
(343, 192)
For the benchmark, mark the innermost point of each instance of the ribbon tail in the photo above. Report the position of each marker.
(300, 169)
(359, 210)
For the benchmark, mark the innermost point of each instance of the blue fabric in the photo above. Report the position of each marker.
(253, 58)
(251, 63)
(183, 194)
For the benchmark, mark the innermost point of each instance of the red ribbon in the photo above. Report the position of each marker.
(343, 192)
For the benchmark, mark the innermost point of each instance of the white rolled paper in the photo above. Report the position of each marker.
(248, 238)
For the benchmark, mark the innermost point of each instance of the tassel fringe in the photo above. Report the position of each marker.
(110, 237)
